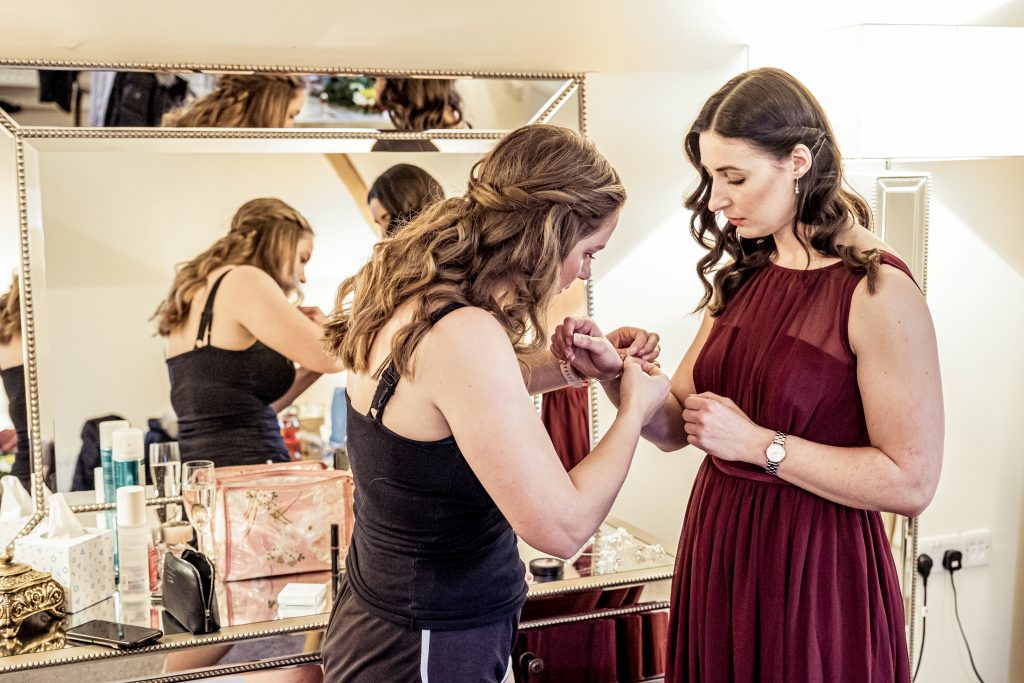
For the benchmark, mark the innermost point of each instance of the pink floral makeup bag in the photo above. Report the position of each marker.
(276, 519)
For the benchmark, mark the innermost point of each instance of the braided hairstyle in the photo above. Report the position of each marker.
(10, 312)
(419, 103)
(773, 112)
(264, 233)
(240, 101)
(500, 247)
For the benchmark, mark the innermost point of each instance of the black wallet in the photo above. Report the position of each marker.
(189, 591)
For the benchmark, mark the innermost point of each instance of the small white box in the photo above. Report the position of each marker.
(288, 611)
(83, 566)
(302, 595)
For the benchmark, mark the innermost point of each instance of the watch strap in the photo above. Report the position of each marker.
(772, 468)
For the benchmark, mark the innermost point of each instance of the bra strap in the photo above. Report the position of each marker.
(385, 390)
(206, 319)
(389, 377)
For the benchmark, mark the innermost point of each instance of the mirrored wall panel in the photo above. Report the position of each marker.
(35, 97)
(13, 416)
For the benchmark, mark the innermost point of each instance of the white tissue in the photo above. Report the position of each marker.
(61, 521)
(16, 504)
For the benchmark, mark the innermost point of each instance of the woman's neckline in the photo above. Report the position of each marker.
(805, 270)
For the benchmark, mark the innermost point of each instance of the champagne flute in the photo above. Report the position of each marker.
(198, 488)
(165, 472)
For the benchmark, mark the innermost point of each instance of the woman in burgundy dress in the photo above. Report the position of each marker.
(812, 384)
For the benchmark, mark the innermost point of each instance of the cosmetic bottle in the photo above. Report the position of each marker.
(127, 460)
(106, 484)
(132, 539)
(128, 456)
(99, 497)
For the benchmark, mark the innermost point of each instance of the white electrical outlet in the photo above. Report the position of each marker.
(976, 547)
(936, 547)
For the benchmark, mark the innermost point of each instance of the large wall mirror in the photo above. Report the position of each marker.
(105, 214)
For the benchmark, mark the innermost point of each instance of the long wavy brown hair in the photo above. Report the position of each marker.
(500, 247)
(10, 312)
(240, 101)
(404, 191)
(419, 103)
(773, 112)
(264, 233)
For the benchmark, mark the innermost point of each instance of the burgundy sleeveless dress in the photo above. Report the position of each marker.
(774, 583)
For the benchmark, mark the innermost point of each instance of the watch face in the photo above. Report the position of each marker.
(775, 453)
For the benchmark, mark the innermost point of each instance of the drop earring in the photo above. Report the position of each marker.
(796, 186)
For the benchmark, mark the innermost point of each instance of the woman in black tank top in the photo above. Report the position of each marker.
(12, 371)
(442, 332)
(231, 357)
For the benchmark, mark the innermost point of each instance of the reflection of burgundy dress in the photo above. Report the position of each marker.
(774, 583)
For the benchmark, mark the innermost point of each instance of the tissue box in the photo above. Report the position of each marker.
(105, 610)
(84, 565)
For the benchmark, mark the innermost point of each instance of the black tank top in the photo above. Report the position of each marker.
(14, 387)
(430, 549)
(222, 398)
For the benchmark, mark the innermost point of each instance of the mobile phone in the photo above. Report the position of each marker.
(113, 634)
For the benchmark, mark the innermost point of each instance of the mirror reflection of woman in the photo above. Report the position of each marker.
(244, 101)
(813, 386)
(399, 194)
(233, 337)
(448, 452)
(415, 104)
(12, 370)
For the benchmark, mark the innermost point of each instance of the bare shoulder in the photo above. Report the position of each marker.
(865, 240)
(249, 286)
(468, 333)
(894, 312)
(245, 276)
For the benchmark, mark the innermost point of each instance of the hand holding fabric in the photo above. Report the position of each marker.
(717, 426)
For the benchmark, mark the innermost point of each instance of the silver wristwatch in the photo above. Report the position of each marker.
(775, 453)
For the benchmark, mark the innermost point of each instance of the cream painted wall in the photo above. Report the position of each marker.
(976, 295)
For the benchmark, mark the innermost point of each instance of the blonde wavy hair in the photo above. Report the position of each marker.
(500, 247)
(10, 312)
(240, 101)
(264, 233)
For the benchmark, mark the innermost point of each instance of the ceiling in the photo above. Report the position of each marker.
(463, 35)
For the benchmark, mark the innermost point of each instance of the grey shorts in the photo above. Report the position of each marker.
(362, 648)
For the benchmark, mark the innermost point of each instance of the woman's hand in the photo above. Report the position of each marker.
(644, 388)
(579, 341)
(636, 342)
(314, 314)
(717, 426)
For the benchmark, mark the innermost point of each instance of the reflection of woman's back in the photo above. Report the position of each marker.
(12, 372)
(222, 397)
(231, 359)
(418, 104)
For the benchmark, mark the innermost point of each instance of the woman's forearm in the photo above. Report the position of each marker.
(542, 373)
(862, 477)
(303, 380)
(666, 429)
